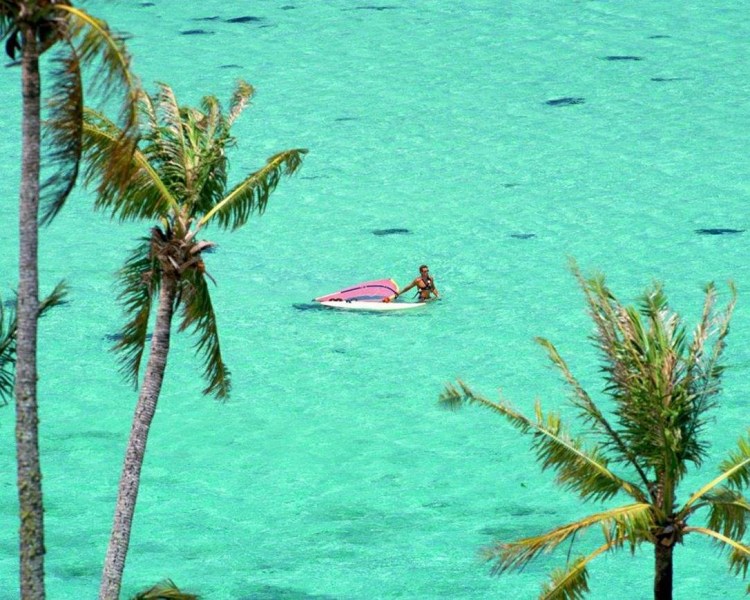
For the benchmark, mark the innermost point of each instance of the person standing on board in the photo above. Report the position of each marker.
(425, 285)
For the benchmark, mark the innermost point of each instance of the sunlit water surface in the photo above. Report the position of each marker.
(332, 473)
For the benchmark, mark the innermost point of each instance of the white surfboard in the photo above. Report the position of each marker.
(372, 306)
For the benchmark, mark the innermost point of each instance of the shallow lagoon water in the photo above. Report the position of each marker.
(331, 472)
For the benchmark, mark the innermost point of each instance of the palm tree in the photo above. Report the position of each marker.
(178, 179)
(662, 385)
(30, 28)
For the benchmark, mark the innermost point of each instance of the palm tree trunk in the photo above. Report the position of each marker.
(31, 542)
(114, 563)
(663, 572)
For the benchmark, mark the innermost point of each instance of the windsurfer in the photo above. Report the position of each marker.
(425, 285)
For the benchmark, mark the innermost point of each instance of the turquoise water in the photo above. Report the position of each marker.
(332, 473)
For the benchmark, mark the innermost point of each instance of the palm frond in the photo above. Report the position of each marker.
(209, 136)
(7, 351)
(169, 148)
(242, 95)
(571, 582)
(252, 194)
(590, 412)
(198, 313)
(728, 512)
(631, 523)
(567, 583)
(662, 385)
(706, 365)
(739, 554)
(583, 470)
(89, 43)
(145, 197)
(140, 279)
(56, 297)
(8, 326)
(8, 28)
(735, 470)
(165, 590)
(62, 130)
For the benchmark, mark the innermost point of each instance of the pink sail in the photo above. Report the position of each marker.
(367, 290)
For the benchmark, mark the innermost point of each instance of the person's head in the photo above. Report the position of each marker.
(424, 270)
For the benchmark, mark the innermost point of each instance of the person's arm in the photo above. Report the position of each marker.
(435, 290)
(397, 294)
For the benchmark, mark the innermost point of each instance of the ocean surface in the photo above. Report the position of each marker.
(504, 137)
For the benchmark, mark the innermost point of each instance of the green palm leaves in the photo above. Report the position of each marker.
(662, 382)
(177, 177)
(85, 42)
(80, 42)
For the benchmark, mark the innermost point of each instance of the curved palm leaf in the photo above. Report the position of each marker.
(739, 555)
(728, 512)
(209, 137)
(145, 197)
(252, 194)
(8, 337)
(198, 312)
(62, 129)
(631, 523)
(735, 470)
(140, 280)
(170, 155)
(88, 43)
(241, 97)
(591, 413)
(582, 470)
(571, 582)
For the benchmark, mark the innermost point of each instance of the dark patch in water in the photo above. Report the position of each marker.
(567, 101)
(372, 8)
(247, 19)
(346, 119)
(663, 79)
(196, 32)
(521, 511)
(209, 250)
(623, 58)
(214, 18)
(510, 185)
(659, 37)
(339, 351)
(314, 177)
(523, 236)
(718, 231)
(116, 337)
(494, 532)
(273, 592)
(394, 231)
(147, 4)
(288, 7)
(309, 306)
(232, 66)
(93, 435)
